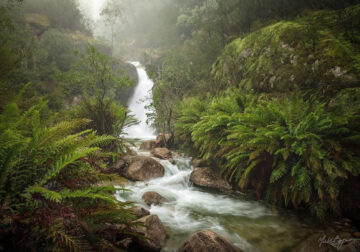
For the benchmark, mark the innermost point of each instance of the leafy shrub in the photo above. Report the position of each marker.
(49, 185)
(290, 150)
(189, 113)
(116, 120)
(95, 78)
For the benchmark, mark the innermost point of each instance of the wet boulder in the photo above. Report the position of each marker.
(207, 178)
(208, 241)
(113, 232)
(148, 145)
(356, 235)
(352, 246)
(154, 232)
(117, 168)
(196, 162)
(328, 242)
(162, 153)
(141, 168)
(164, 140)
(139, 212)
(125, 243)
(153, 198)
(132, 152)
(315, 243)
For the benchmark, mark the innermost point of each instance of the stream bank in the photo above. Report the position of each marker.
(248, 224)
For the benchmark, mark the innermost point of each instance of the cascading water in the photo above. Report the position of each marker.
(138, 105)
(250, 225)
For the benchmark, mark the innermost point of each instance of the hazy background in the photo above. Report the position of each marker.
(138, 26)
(91, 8)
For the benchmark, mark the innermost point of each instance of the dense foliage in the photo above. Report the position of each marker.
(61, 14)
(95, 79)
(38, 41)
(54, 195)
(319, 51)
(290, 150)
(49, 193)
(266, 92)
(274, 110)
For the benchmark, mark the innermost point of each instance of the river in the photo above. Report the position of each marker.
(249, 224)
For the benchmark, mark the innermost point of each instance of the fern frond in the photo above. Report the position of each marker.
(65, 161)
(44, 192)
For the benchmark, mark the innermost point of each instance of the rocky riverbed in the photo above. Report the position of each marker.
(184, 206)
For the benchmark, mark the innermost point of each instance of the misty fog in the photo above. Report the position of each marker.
(179, 125)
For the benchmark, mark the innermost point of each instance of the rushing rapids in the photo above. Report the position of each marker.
(249, 224)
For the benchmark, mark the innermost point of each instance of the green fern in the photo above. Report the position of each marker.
(299, 146)
(44, 192)
(64, 161)
(49, 178)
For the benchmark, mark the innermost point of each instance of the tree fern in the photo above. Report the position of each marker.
(48, 182)
(44, 192)
(64, 161)
(303, 145)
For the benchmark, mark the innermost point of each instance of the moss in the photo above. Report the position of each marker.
(38, 20)
(320, 50)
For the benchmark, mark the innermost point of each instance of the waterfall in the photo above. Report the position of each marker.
(141, 98)
(248, 224)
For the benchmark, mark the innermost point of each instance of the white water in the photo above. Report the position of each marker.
(137, 105)
(250, 225)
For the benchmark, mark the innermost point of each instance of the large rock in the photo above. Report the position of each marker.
(153, 198)
(117, 168)
(285, 62)
(312, 244)
(208, 241)
(153, 230)
(198, 163)
(148, 145)
(116, 233)
(164, 140)
(356, 235)
(352, 246)
(131, 152)
(330, 242)
(139, 212)
(205, 177)
(141, 168)
(172, 161)
(162, 153)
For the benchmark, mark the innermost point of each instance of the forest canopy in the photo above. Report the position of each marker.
(265, 93)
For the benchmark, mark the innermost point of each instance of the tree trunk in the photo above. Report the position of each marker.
(112, 39)
(102, 118)
(169, 121)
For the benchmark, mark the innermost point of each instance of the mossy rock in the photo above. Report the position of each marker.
(81, 41)
(318, 51)
(37, 20)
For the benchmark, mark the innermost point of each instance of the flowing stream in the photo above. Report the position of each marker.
(249, 224)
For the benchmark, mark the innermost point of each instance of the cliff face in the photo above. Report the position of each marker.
(319, 51)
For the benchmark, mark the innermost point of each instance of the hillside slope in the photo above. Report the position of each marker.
(285, 121)
(320, 51)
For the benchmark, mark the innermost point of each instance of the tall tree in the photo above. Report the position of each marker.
(113, 13)
(97, 76)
